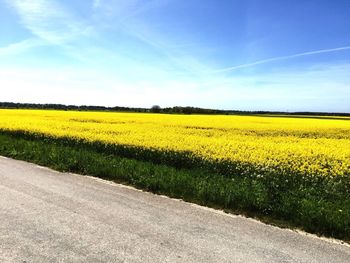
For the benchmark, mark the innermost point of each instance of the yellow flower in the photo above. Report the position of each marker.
(310, 146)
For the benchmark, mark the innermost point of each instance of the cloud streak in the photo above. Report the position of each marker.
(130, 18)
(48, 20)
(56, 24)
(22, 46)
(265, 61)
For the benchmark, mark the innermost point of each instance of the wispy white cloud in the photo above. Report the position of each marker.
(22, 46)
(130, 18)
(55, 23)
(268, 60)
(177, 57)
(48, 20)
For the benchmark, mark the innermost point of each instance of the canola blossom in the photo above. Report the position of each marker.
(313, 146)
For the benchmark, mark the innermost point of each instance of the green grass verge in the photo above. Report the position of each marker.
(317, 206)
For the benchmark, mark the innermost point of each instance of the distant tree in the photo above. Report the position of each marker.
(188, 110)
(156, 109)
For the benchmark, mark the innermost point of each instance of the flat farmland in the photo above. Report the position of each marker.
(289, 169)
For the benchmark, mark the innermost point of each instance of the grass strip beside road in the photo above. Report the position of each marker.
(297, 206)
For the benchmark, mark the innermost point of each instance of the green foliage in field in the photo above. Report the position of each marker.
(319, 204)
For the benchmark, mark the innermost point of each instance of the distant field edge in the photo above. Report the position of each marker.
(295, 207)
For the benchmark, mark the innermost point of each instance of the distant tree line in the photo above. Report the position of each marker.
(12, 105)
(157, 109)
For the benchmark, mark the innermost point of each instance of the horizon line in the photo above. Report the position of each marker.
(51, 106)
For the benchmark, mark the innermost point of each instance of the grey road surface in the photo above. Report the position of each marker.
(47, 216)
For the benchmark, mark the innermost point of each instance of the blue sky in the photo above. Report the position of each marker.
(290, 55)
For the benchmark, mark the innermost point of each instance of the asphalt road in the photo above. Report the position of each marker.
(47, 216)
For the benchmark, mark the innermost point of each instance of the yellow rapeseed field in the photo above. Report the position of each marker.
(311, 146)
